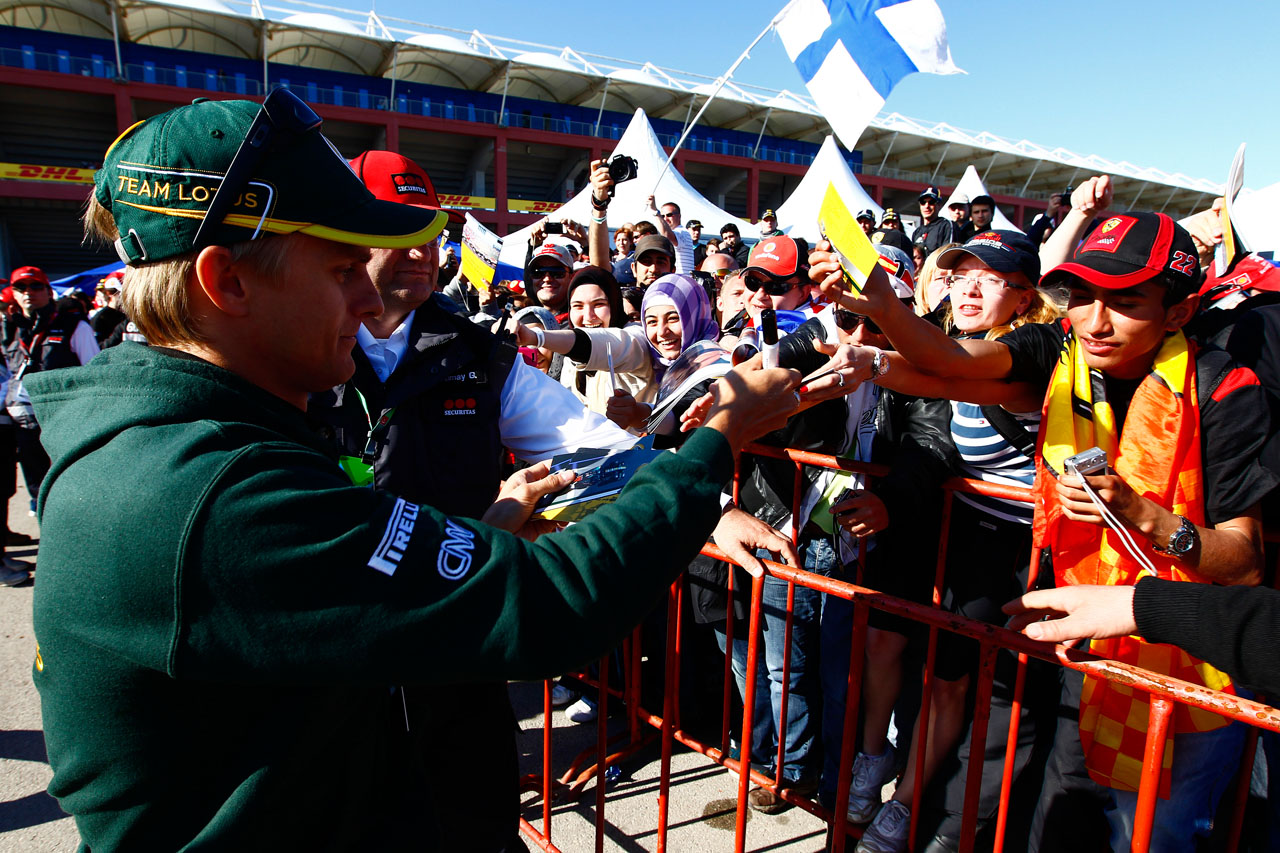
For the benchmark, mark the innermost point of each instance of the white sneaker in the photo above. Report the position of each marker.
(582, 711)
(889, 832)
(870, 773)
(13, 572)
(561, 695)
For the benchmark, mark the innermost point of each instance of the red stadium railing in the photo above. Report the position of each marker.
(643, 725)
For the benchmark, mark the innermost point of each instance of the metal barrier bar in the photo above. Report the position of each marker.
(1162, 690)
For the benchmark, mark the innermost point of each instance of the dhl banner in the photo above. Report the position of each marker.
(74, 175)
(59, 174)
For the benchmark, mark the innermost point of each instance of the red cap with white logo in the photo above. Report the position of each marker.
(776, 257)
(392, 177)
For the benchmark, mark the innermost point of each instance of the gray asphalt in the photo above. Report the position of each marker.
(702, 801)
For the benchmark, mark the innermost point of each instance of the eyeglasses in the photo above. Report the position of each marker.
(847, 321)
(23, 287)
(283, 118)
(989, 284)
(772, 285)
(548, 272)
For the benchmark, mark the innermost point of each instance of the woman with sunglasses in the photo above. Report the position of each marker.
(990, 283)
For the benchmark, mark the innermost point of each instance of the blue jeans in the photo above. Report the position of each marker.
(804, 687)
(1204, 763)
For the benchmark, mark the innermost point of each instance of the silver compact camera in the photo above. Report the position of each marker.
(1086, 462)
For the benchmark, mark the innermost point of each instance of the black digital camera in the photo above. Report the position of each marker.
(622, 168)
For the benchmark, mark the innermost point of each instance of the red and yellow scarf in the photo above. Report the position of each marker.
(1158, 455)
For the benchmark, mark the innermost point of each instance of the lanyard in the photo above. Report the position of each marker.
(360, 468)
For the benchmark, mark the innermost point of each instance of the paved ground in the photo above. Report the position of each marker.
(702, 801)
(30, 819)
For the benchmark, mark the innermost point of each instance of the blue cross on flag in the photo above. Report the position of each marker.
(851, 53)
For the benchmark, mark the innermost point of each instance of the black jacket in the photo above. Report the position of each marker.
(443, 445)
(933, 235)
(42, 342)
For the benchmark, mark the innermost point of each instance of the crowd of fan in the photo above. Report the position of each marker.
(959, 337)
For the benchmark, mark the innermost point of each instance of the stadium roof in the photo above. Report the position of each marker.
(328, 37)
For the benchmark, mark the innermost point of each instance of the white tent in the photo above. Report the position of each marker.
(971, 185)
(798, 215)
(1254, 215)
(630, 202)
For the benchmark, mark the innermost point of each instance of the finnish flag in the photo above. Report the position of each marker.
(851, 53)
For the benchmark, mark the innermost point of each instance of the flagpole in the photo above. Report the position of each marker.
(723, 79)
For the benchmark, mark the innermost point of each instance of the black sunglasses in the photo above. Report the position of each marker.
(23, 287)
(283, 118)
(772, 285)
(555, 272)
(847, 321)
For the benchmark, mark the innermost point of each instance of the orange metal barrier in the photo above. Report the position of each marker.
(643, 725)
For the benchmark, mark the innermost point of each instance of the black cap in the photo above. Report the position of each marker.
(892, 238)
(867, 213)
(1130, 248)
(930, 192)
(1002, 251)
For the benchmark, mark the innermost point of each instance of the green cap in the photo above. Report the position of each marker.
(159, 176)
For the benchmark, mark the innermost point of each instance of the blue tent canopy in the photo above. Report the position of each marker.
(86, 281)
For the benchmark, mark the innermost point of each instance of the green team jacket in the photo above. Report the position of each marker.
(218, 612)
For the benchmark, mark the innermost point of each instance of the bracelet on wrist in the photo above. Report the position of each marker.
(540, 338)
(598, 204)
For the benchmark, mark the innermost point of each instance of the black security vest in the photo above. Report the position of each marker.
(443, 446)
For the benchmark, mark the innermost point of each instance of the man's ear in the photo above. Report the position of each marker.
(1181, 312)
(219, 279)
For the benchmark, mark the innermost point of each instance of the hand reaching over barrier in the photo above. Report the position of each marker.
(740, 535)
(1074, 612)
(848, 367)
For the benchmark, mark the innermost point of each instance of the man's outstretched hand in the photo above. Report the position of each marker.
(519, 495)
(1074, 612)
(748, 402)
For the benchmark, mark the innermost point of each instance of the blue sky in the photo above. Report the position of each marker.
(1160, 84)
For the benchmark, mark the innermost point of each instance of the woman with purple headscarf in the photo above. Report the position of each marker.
(676, 312)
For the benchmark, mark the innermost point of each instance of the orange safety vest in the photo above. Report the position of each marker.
(1159, 456)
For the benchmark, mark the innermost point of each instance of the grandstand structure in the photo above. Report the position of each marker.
(505, 128)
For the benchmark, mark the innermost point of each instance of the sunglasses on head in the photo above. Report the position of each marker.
(847, 321)
(772, 285)
(24, 286)
(283, 118)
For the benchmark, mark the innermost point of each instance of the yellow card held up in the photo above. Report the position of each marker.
(858, 257)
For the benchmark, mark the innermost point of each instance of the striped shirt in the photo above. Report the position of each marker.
(986, 456)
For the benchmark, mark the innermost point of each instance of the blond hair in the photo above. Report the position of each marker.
(154, 295)
(928, 272)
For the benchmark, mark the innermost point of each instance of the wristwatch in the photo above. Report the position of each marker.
(879, 364)
(1181, 541)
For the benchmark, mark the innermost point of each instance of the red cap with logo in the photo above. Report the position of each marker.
(392, 177)
(22, 274)
(1129, 248)
(776, 257)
